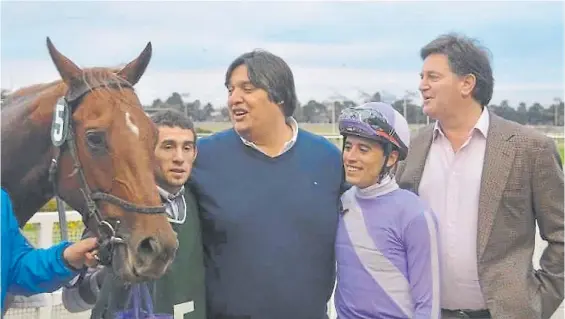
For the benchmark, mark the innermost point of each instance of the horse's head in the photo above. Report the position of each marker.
(104, 165)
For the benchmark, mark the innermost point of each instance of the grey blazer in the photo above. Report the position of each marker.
(522, 183)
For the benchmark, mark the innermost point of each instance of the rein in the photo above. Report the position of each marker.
(64, 136)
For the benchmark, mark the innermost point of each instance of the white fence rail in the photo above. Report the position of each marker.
(49, 305)
(45, 232)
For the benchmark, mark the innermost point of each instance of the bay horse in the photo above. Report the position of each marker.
(86, 139)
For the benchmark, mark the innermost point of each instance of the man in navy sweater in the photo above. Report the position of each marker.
(269, 201)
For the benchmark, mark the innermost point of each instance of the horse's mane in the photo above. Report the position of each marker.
(93, 77)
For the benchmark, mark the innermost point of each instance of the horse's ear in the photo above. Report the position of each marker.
(133, 71)
(66, 68)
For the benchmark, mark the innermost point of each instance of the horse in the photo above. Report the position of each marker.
(86, 139)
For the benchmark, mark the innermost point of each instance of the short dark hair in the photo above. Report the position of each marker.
(173, 118)
(270, 73)
(465, 56)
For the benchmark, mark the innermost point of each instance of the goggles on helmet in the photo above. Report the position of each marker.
(369, 123)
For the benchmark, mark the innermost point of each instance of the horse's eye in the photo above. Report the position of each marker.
(96, 140)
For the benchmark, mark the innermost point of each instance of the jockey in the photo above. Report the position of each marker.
(26, 270)
(386, 245)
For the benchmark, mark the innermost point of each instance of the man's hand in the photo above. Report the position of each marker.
(81, 253)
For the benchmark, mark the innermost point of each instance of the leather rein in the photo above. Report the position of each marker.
(106, 229)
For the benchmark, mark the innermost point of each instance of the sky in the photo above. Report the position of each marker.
(336, 50)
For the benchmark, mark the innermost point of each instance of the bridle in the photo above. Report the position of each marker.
(63, 135)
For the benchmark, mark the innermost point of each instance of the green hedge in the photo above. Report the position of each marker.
(51, 206)
(202, 130)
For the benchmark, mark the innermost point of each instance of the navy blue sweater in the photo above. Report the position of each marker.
(269, 226)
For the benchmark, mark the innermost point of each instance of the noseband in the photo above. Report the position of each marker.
(63, 135)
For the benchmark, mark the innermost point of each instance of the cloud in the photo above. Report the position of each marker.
(332, 47)
(311, 82)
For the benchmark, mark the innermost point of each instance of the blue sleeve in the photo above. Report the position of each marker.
(421, 240)
(32, 270)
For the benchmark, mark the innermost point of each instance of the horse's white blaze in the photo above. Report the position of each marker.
(131, 126)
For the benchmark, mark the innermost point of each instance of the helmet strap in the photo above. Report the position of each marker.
(387, 148)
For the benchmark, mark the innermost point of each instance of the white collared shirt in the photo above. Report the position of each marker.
(288, 145)
(175, 204)
(451, 184)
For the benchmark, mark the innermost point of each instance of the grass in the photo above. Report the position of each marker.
(75, 228)
(324, 129)
(317, 128)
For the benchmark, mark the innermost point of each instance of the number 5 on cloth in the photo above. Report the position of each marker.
(60, 123)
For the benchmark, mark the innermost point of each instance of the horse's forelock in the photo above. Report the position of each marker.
(91, 77)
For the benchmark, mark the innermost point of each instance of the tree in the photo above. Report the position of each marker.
(193, 110)
(535, 114)
(225, 113)
(158, 104)
(554, 114)
(313, 111)
(321, 112)
(339, 106)
(4, 93)
(175, 102)
(376, 97)
(298, 113)
(207, 111)
(504, 110)
(522, 113)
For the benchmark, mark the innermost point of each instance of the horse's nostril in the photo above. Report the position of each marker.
(148, 246)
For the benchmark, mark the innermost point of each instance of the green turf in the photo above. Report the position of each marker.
(317, 128)
(322, 129)
(561, 149)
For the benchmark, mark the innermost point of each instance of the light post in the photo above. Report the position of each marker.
(555, 113)
(407, 94)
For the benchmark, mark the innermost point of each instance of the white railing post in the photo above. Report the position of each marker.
(45, 233)
(46, 240)
(43, 306)
(45, 312)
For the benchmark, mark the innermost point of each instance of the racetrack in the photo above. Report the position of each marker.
(323, 129)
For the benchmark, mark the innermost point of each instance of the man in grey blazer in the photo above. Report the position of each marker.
(489, 181)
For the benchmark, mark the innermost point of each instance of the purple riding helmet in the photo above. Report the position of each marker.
(379, 122)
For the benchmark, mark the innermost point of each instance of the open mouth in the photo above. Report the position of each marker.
(239, 114)
(178, 171)
(352, 169)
